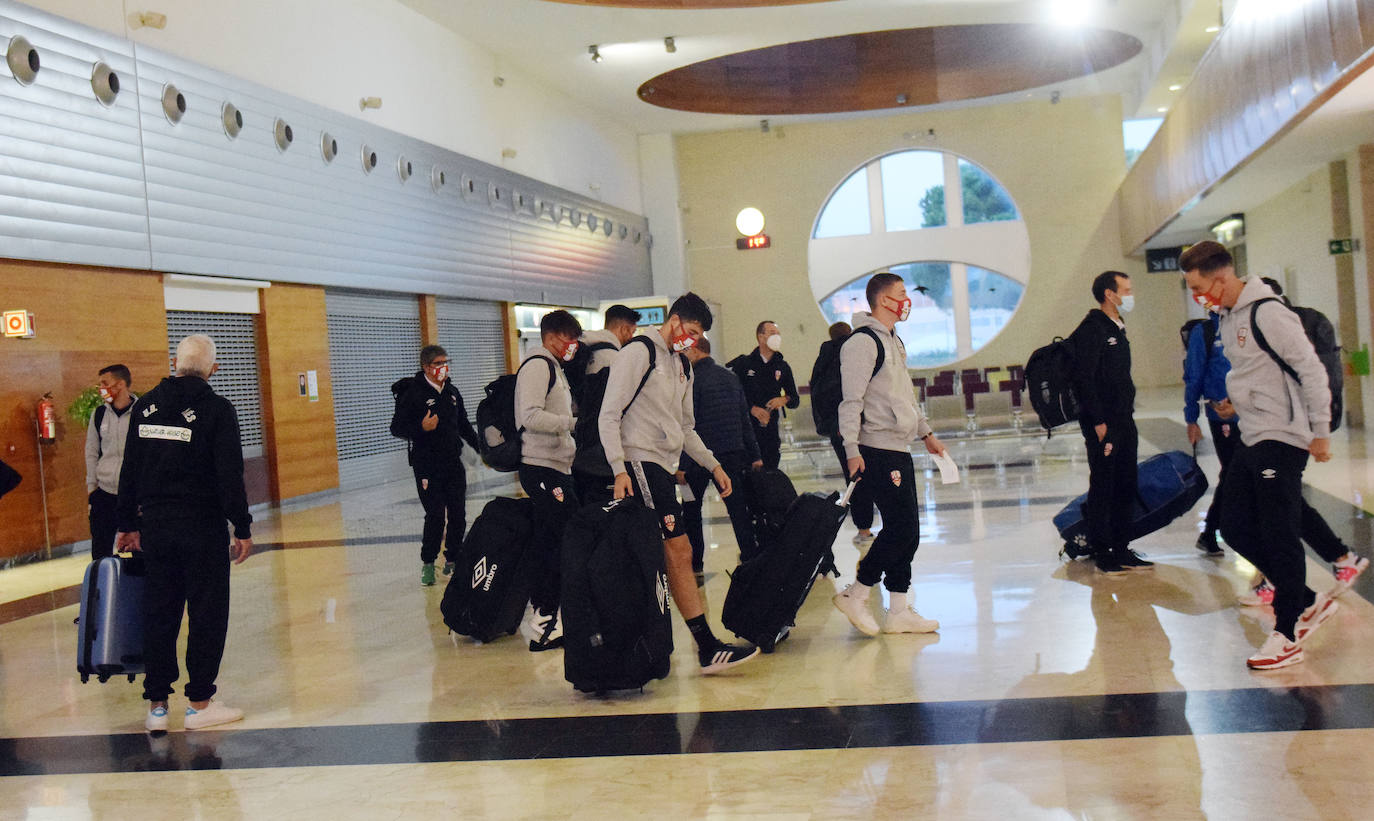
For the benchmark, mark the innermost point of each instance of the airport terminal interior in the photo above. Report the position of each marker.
(326, 186)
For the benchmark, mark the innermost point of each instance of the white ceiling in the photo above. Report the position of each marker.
(548, 41)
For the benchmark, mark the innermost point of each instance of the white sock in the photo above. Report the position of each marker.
(899, 601)
(859, 591)
(1348, 559)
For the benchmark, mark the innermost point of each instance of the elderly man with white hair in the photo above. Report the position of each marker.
(181, 480)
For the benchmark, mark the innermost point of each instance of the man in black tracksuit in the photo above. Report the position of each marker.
(1106, 409)
(722, 420)
(768, 385)
(182, 478)
(430, 414)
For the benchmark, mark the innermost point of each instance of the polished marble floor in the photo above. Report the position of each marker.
(1050, 691)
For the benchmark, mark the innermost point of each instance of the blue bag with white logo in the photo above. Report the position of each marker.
(1167, 486)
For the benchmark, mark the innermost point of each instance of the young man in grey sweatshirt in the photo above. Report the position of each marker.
(105, 435)
(647, 421)
(543, 411)
(879, 418)
(1284, 418)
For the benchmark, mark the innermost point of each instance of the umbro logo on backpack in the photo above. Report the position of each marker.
(482, 575)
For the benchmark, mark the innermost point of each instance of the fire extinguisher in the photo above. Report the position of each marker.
(47, 419)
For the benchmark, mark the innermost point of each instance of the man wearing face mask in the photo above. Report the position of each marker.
(769, 386)
(544, 412)
(105, 435)
(431, 415)
(1106, 416)
(647, 421)
(879, 418)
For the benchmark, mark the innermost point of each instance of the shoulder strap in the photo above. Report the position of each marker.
(601, 346)
(1264, 343)
(643, 380)
(552, 374)
(882, 352)
(99, 420)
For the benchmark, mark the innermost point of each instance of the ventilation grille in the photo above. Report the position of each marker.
(236, 351)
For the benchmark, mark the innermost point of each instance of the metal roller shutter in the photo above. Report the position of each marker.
(374, 339)
(236, 351)
(472, 333)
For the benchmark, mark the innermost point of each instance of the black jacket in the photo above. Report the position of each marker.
(1103, 370)
(183, 458)
(722, 415)
(438, 451)
(763, 381)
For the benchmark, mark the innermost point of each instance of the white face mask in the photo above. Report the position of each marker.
(774, 342)
(1127, 303)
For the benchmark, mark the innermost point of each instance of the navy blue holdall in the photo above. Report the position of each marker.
(1169, 484)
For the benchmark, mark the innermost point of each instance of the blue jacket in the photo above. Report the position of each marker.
(1204, 375)
(722, 414)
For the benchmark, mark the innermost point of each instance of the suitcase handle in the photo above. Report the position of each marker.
(849, 490)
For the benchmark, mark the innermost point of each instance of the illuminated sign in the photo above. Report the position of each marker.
(653, 316)
(19, 324)
(750, 243)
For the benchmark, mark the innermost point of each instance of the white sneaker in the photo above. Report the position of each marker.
(156, 722)
(856, 610)
(531, 626)
(1313, 617)
(860, 540)
(908, 620)
(1346, 572)
(1277, 651)
(1261, 595)
(213, 715)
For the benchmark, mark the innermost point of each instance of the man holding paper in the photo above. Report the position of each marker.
(879, 418)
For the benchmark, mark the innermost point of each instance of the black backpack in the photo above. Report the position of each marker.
(1050, 383)
(498, 436)
(398, 389)
(1323, 338)
(827, 390)
(576, 371)
(591, 456)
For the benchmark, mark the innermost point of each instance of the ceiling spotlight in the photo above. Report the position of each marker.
(595, 52)
(1212, 29)
(365, 103)
(669, 46)
(1175, 87)
(1163, 109)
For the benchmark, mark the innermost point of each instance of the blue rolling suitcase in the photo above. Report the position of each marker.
(110, 624)
(1169, 484)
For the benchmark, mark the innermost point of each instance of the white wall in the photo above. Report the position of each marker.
(658, 172)
(1285, 238)
(435, 85)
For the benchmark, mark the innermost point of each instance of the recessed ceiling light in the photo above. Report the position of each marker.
(1212, 29)
(595, 52)
(1175, 87)
(1162, 109)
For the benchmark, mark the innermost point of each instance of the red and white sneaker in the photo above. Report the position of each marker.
(1313, 617)
(1261, 596)
(1277, 651)
(1347, 570)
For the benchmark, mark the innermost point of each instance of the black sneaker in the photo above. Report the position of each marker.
(1132, 560)
(1108, 565)
(724, 656)
(1207, 543)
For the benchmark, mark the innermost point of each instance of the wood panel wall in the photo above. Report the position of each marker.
(85, 318)
(300, 436)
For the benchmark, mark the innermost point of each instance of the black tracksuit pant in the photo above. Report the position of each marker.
(1112, 481)
(187, 563)
(444, 498)
(104, 523)
(1262, 519)
(891, 479)
(860, 506)
(769, 439)
(554, 499)
(735, 464)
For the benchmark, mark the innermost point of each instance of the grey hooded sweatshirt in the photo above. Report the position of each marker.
(1272, 406)
(661, 424)
(881, 411)
(546, 416)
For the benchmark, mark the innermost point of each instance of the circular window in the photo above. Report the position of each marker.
(23, 60)
(232, 119)
(369, 158)
(282, 134)
(105, 84)
(173, 104)
(947, 227)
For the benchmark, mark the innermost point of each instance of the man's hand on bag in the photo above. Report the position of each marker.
(761, 415)
(623, 486)
(1321, 449)
(240, 549)
(128, 541)
(1194, 433)
(722, 481)
(855, 465)
(1224, 409)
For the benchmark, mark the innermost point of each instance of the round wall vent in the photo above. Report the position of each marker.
(232, 119)
(173, 103)
(329, 147)
(437, 178)
(282, 134)
(23, 60)
(575, 218)
(403, 168)
(369, 159)
(608, 228)
(105, 84)
(624, 231)
(592, 222)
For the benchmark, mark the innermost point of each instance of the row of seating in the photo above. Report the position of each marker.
(967, 396)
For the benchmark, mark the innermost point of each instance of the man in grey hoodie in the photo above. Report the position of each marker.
(647, 421)
(105, 435)
(1279, 387)
(879, 418)
(543, 410)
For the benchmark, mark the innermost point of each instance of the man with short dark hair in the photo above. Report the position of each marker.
(722, 419)
(431, 415)
(1284, 419)
(769, 386)
(647, 422)
(879, 418)
(543, 411)
(105, 435)
(590, 473)
(1106, 416)
(181, 478)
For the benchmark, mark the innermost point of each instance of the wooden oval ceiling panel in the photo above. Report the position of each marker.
(889, 69)
(687, 4)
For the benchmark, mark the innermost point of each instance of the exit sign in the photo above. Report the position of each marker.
(750, 243)
(1340, 246)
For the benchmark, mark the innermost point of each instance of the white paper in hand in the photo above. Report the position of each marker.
(949, 472)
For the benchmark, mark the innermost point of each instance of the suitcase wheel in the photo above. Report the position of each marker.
(85, 677)
(131, 678)
(102, 678)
